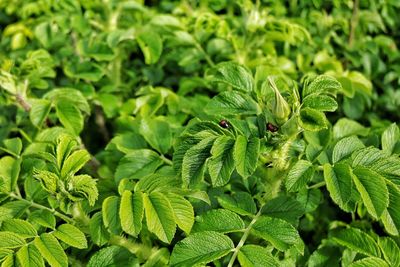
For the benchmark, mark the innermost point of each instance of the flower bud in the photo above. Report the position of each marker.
(280, 108)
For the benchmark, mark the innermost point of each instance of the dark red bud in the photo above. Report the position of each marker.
(224, 124)
(272, 128)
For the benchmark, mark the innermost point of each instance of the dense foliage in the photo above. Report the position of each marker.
(194, 133)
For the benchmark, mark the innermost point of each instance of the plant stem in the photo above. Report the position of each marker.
(39, 206)
(317, 185)
(167, 161)
(22, 102)
(101, 123)
(353, 22)
(243, 239)
(206, 56)
(139, 249)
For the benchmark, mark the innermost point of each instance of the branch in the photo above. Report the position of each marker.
(354, 22)
(23, 103)
(101, 123)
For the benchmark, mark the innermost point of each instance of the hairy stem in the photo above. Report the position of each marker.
(138, 249)
(243, 239)
(23, 103)
(39, 206)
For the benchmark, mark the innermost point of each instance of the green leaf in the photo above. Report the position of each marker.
(131, 212)
(13, 145)
(65, 145)
(322, 84)
(309, 199)
(234, 75)
(85, 70)
(159, 216)
(369, 262)
(151, 45)
(11, 240)
(200, 248)
(390, 137)
(232, 103)
(285, 208)
(70, 116)
(345, 147)
(245, 154)
(30, 256)
(194, 161)
(110, 211)
(47, 179)
(242, 203)
(113, 256)
(137, 164)
(312, 120)
(256, 256)
(9, 173)
(360, 82)
(128, 142)
(390, 250)
(44, 218)
(183, 212)
(8, 261)
(83, 186)
(71, 96)
(356, 240)
(299, 175)
(157, 182)
(281, 234)
(40, 109)
(98, 232)
(338, 181)
(345, 127)
(51, 250)
(157, 133)
(74, 162)
(373, 190)
(320, 102)
(368, 156)
(221, 164)
(23, 228)
(71, 235)
(219, 220)
(391, 217)
(388, 167)
(325, 256)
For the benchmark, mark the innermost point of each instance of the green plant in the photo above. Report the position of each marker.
(194, 133)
